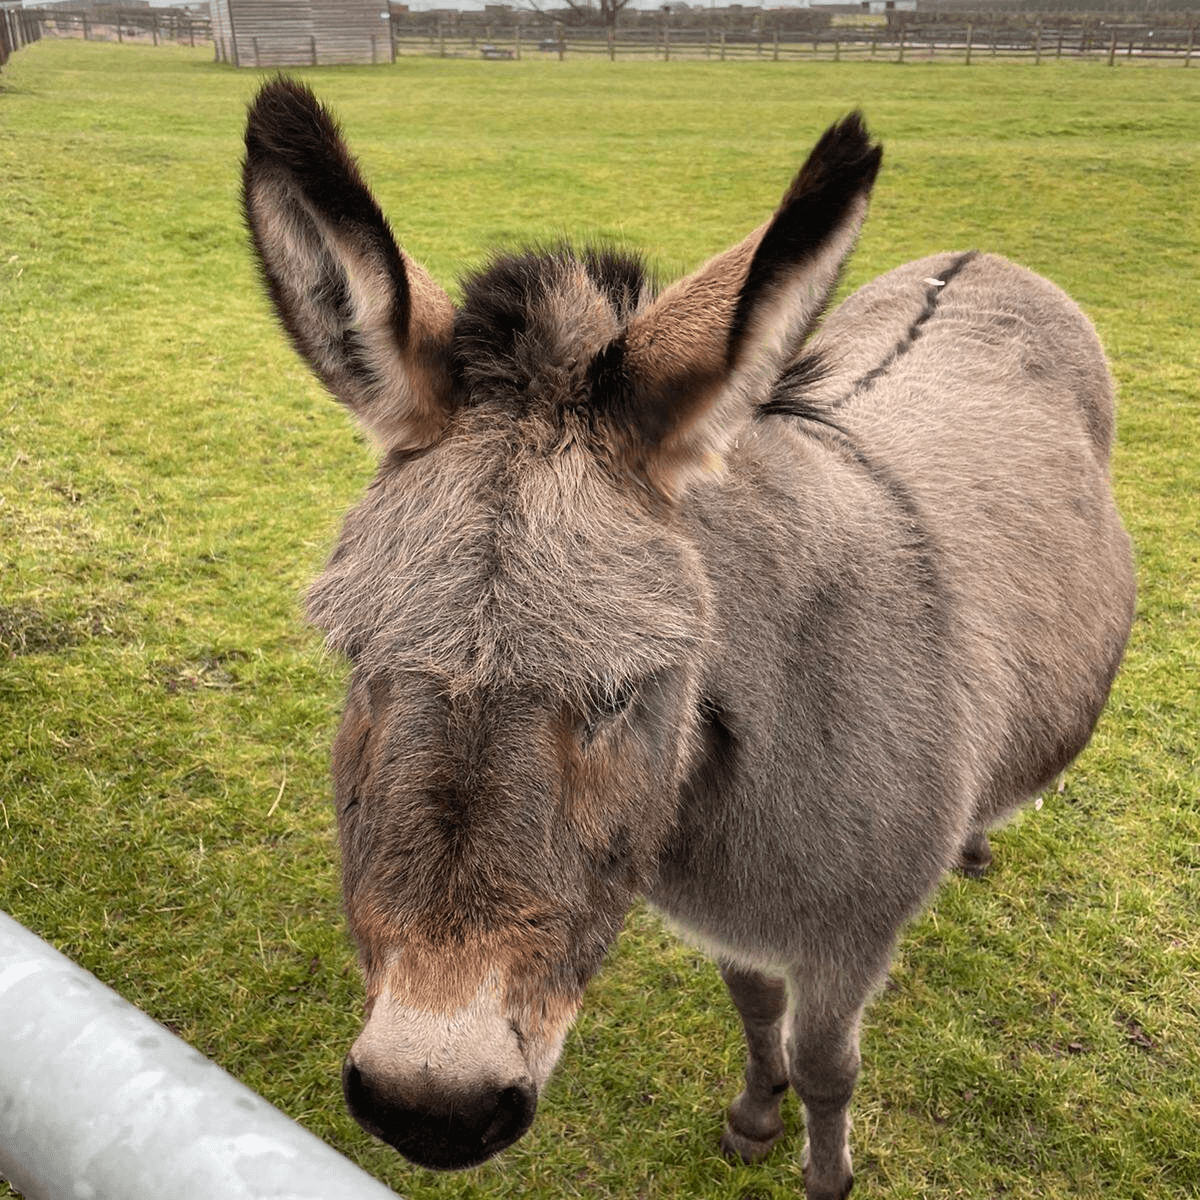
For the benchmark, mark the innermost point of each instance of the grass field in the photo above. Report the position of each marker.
(170, 479)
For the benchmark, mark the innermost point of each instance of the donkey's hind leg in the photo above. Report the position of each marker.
(754, 1125)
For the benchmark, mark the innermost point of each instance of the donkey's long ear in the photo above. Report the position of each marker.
(372, 324)
(685, 378)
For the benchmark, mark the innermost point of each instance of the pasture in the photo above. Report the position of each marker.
(171, 478)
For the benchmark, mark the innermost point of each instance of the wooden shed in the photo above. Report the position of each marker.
(301, 33)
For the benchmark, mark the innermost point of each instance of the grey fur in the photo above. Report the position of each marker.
(776, 653)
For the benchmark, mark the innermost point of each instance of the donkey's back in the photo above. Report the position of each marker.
(986, 392)
(922, 592)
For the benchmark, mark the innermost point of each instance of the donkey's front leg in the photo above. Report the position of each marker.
(823, 1063)
(754, 1125)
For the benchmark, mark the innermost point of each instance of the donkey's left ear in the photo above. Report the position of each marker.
(373, 326)
(692, 367)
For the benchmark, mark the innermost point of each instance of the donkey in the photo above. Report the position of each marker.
(657, 595)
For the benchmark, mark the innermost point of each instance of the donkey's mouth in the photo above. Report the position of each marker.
(459, 1130)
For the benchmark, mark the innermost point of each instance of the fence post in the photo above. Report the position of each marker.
(775, 56)
(901, 58)
(612, 44)
(1112, 48)
(722, 45)
(1037, 60)
(254, 47)
(120, 31)
(312, 43)
(1187, 58)
(517, 42)
(969, 28)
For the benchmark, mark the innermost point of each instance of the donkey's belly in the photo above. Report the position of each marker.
(772, 876)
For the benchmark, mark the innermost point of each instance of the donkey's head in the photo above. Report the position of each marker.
(524, 617)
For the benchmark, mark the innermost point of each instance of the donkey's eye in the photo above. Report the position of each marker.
(613, 700)
(605, 704)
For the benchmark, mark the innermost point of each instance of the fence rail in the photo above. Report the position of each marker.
(99, 1101)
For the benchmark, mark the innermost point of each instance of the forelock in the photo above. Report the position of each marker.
(490, 562)
(531, 323)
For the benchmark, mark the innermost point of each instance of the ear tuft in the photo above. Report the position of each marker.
(815, 227)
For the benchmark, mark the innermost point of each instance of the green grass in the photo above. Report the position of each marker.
(170, 478)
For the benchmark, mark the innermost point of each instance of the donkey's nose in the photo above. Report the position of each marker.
(458, 1129)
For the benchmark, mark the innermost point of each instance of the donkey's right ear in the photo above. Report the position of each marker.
(371, 323)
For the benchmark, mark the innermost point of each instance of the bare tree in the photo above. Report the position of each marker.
(585, 12)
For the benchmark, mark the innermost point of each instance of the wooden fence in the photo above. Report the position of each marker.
(18, 27)
(904, 38)
(125, 25)
(968, 43)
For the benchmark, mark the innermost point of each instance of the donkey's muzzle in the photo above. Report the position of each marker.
(445, 1133)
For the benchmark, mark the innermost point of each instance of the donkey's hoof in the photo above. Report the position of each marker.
(836, 1192)
(735, 1144)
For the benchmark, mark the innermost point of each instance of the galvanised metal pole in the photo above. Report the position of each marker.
(99, 1102)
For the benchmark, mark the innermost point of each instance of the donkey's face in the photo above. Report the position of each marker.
(524, 615)
(520, 712)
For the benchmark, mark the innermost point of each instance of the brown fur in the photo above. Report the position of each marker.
(650, 597)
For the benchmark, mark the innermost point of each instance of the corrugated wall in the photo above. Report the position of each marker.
(222, 28)
(351, 31)
(292, 33)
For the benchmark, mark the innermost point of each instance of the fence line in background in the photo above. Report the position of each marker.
(903, 38)
(99, 1101)
(121, 25)
(969, 43)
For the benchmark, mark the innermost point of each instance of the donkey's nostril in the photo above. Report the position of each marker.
(354, 1088)
(513, 1114)
(443, 1130)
